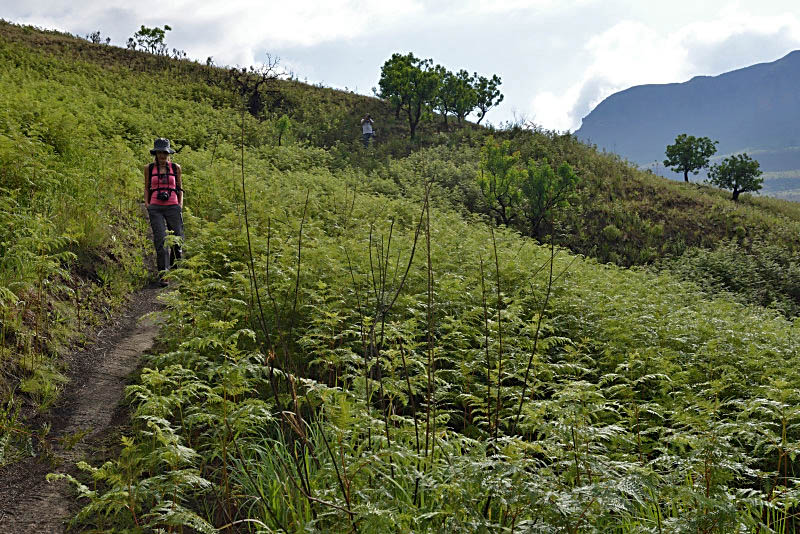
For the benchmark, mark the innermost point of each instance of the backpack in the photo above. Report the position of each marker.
(168, 189)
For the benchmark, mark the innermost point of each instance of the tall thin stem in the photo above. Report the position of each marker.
(536, 336)
(499, 336)
(430, 423)
(486, 348)
(253, 278)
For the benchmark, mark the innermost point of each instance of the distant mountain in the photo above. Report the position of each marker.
(755, 109)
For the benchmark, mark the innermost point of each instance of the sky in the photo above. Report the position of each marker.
(557, 58)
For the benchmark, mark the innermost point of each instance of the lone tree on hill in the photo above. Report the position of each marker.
(411, 84)
(689, 154)
(739, 173)
(150, 40)
(488, 93)
(254, 83)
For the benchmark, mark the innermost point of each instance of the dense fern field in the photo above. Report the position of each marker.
(350, 345)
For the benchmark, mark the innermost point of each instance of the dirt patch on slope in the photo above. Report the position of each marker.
(80, 423)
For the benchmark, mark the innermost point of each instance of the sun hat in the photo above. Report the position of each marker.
(161, 145)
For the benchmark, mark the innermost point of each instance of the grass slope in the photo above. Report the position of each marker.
(350, 347)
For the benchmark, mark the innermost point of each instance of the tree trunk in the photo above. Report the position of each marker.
(254, 104)
(413, 118)
(503, 215)
(686, 176)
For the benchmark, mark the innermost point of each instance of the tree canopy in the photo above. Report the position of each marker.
(739, 173)
(545, 190)
(411, 84)
(150, 40)
(500, 176)
(456, 95)
(415, 85)
(689, 154)
(488, 93)
(529, 189)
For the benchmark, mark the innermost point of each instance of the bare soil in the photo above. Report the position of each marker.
(85, 424)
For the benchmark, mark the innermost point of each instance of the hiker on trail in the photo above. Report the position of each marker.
(163, 196)
(366, 129)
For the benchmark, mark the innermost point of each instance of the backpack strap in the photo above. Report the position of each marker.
(173, 167)
(149, 180)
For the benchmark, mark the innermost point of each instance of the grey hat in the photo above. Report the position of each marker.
(161, 145)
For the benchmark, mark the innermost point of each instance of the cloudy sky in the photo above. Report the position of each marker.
(557, 58)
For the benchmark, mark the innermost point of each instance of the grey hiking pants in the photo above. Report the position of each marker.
(161, 219)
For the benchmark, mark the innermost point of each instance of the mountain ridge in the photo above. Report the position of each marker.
(755, 108)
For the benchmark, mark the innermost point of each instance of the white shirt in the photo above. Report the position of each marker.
(366, 126)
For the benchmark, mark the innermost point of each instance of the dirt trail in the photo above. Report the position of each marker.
(88, 412)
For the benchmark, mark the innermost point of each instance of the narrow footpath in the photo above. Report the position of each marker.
(84, 423)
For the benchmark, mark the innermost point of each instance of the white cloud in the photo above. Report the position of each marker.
(628, 53)
(232, 29)
(504, 6)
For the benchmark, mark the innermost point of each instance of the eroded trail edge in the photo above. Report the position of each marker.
(82, 422)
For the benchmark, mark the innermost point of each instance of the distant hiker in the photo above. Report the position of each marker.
(366, 129)
(163, 196)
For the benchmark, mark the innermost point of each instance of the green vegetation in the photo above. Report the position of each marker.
(689, 154)
(500, 180)
(72, 238)
(411, 84)
(352, 345)
(150, 40)
(488, 94)
(522, 191)
(456, 95)
(416, 86)
(739, 173)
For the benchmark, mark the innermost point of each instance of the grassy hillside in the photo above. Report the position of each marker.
(352, 345)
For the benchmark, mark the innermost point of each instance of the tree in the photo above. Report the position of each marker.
(466, 98)
(488, 94)
(391, 82)
(96, 38)
(410, 83)
(689, 154)
(739, 173)
(150, 40)
(253, 82)
(500, 178)
(545, 190)
(456, 94)
(445, 94)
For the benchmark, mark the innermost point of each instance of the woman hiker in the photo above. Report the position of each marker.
(163, 196)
